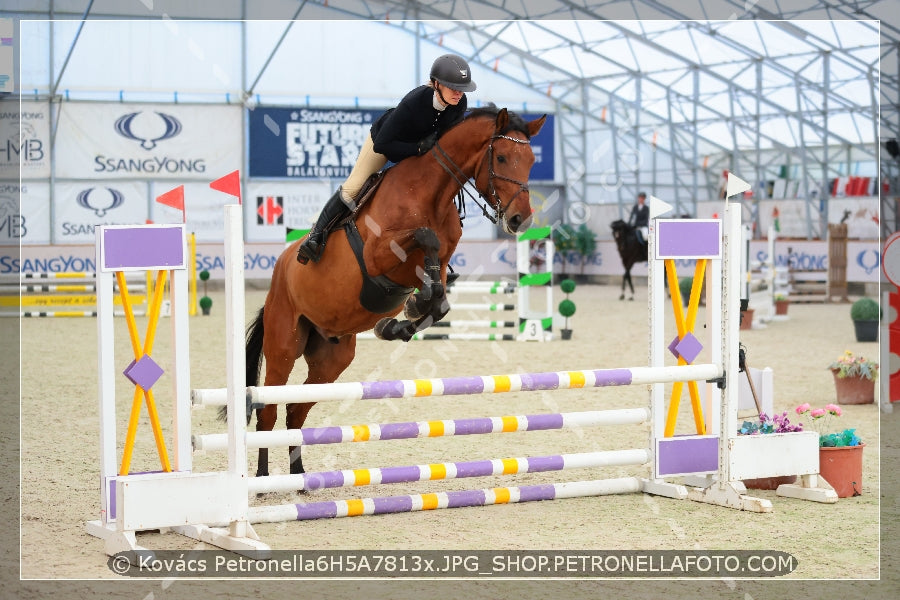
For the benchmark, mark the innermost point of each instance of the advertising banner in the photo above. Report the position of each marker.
(24, 140)
(270, 207)
(28, 220)
(324, 143)
(204, 209)
(145, 141)
(304, 143)
(81, 206)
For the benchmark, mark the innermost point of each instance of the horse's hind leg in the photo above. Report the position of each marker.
(326, 361)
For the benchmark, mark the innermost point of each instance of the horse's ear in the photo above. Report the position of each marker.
(502, 119)
(535, 126)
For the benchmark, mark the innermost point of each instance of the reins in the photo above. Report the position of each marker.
(452, 169)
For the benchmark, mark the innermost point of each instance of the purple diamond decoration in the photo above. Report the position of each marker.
(689, 347)
(143, 372)
(673, 347)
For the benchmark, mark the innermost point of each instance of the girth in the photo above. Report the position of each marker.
(378, 294)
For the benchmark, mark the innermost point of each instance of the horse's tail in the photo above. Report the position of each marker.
(253, 359)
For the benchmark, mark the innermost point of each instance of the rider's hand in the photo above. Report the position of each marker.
(426, 143)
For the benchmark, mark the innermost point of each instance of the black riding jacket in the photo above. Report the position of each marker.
(640, 216)
(397, 132)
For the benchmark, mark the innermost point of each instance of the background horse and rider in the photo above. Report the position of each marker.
(399, 239)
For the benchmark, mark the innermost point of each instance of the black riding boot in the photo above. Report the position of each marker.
(333, 211)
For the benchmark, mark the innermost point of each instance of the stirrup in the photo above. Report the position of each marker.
(305, 253)
(451, 277)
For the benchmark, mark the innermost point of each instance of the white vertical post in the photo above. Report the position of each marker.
(657, 309)
(234, 347)
(106, 361)
(731, 294)
(183, 452)
(714, 301)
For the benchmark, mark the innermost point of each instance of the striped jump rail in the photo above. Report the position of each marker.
(71, 287)
(457, 386)
(454, 499)
(65, 313)
(461, 337)
(423, 429)
(458, 306)
(448, 470)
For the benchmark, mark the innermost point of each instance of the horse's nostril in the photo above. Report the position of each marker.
(515, 222)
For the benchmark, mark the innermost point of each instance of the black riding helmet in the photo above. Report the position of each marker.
(453, 71)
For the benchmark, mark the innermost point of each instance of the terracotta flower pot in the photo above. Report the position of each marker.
(841, 466)
(781, 307)
(853, 390)
(747, 320)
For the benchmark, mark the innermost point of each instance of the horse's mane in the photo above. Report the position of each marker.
(516, 123)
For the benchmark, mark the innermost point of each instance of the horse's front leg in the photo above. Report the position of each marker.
(429, 304)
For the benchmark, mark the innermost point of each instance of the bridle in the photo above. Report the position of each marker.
(491, 197)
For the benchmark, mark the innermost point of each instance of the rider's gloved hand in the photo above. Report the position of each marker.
(426, 143)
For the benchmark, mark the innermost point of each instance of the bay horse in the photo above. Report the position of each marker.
(399, 239)
(631, 251)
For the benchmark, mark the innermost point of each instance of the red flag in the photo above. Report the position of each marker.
(175, 199)
(229, 184)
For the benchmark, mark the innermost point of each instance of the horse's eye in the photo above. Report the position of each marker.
(501, 158)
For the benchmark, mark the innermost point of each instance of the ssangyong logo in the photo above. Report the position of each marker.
(125, 126)
(95, 202)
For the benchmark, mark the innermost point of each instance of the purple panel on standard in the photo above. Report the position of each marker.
(399, 431)
(473, 426)
(400, 474)
(689, 347)
(605, 377)
(316, 510)
(687, 238)
(529, 493)
(687, 455)
(322, 435)
(143, 248)
(111, 505)
(392, 504)
(477, 468)
(465, 498)
(144, 372)
(537, 464)
(539, 422)
(539, 381)
(373, 390)
(455, 386)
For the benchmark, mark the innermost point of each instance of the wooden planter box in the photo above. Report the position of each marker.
(774, 455)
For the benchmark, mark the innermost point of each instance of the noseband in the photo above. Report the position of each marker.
(491, 196)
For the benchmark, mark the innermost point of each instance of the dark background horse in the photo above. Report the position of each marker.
(631, 251)
(404, 236)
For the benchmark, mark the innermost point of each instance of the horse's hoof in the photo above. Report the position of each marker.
(631, 299)
(622, 297)
(385, 330)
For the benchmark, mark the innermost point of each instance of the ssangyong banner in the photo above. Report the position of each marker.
(24, 140)
(147, 141)
(304, 143)
(81, 206)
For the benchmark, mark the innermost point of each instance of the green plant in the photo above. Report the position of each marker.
(205, 302)
(821, 419)
(780, 297)
(684, 286)
(850, 365)
(567, 307)
(865, 309)
(581, 241)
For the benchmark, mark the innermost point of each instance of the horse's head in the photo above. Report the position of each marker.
(619, 229)
(502, 175)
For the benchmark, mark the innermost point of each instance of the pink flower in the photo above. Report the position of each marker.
(802, 408)
(833, 409)
(818, 412)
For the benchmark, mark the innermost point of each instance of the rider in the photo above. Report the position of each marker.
(640, 218)
(410, 129)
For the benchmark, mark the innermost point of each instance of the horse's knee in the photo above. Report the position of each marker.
(296, 414)
(265, 417)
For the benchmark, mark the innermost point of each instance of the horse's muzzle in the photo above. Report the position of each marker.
(516, 223)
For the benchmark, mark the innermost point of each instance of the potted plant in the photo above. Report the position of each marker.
(765, 425)
(854, 379)
(205, 301)
(567, 307)
(580, 243)
(781, 304)
(840, 452)
(865, 313)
